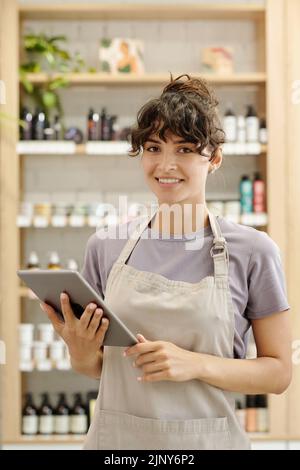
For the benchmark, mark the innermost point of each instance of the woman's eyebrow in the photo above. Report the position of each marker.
(153, 141)
(173, 141)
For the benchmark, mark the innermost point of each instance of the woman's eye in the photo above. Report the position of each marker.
(185, 150)
(152, 149)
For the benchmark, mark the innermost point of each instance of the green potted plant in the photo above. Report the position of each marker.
(46, 54)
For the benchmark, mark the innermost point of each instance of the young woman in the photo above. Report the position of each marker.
(192, 305)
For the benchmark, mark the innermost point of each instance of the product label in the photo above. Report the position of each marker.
(78, 424)
(252, 129)
(46, 424)
(230, 128)
(30, 425)
(61, 424)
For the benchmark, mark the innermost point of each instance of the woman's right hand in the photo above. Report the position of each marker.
(84, 337)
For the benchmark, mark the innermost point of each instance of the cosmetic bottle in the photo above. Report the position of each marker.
(240, 413)
(93, 125)
(39, 125)
(251, 413)
(61, 416)
(54, 261)
(46, 418)
(26, 131)
(112, 127)
(252, 125)
(263, 132)
(30, 420)
(57, 128)
(262, 413)
(79, 420)
(48, 130)
(33, 261)
(241, 129)
(105, 126)
(72, 264)
(246, 195)
(230, 125)
(258, 194)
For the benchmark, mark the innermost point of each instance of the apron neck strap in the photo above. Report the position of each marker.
(135, 232)
(219, 251)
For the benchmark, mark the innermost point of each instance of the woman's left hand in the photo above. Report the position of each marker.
(161, 360)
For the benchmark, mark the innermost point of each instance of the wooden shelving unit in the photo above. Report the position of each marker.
(107, 148)
(274, 83)
(141, 12)
(100, 79)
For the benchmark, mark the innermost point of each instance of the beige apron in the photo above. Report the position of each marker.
(197, 317)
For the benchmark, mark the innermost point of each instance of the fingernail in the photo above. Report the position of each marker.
(140, 379)
(134, 365)
(124, 354)
(63, 296)
(92, 306)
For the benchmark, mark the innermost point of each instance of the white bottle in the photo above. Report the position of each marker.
(241, 129)
(263, 132)
(72, 264)
(252, 125)
(33, 260)
(54, 261)
(230, 125)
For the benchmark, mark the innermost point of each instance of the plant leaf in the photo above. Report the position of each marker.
(49, 99)
(58, 82)
(57, 38)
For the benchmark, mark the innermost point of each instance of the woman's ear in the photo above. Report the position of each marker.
(217, 160)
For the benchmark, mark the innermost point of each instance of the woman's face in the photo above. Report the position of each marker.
(179, 161)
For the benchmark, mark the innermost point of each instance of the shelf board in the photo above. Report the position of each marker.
(85, 11)
(110, 148)
(52, 440)
(32, 440)
(147, 79)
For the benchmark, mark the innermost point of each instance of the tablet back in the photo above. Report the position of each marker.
(49, 284)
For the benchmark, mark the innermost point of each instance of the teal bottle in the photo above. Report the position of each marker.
(246, 195)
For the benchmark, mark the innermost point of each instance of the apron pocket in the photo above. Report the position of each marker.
(121, 431)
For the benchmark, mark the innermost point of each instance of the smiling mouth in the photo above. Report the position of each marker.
(169, 181)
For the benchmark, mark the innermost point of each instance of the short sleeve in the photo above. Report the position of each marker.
(90, 270)
(266, 280)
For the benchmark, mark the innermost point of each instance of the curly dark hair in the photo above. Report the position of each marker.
(187, 108)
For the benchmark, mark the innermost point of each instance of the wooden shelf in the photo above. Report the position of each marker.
(69, 439)
(32, 440)
(134, 12)
(148, 79)
(114, 148)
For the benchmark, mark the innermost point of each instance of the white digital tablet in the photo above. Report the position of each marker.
(49, 284)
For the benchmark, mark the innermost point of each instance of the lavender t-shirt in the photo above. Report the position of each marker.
(256, 278)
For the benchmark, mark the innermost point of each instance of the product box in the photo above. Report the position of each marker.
(217, 60)
(120, 55)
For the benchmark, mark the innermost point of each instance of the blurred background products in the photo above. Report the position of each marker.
(62, 419)
(246, 128)
(58, 184)
(41, 349)
(253, 413)
(121, 55)
(218, 59)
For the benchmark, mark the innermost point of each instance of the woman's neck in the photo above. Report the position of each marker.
(180, 219)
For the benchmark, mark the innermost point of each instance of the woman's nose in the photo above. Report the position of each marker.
(167, 161)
